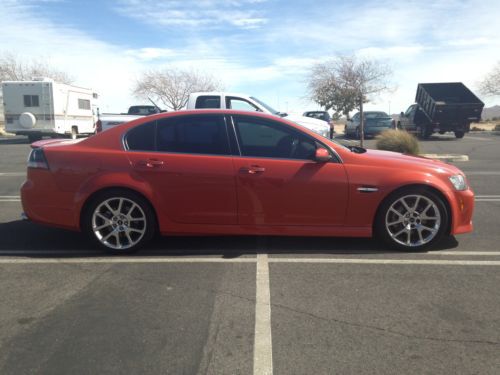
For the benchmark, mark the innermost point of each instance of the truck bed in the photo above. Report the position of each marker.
(450, 102)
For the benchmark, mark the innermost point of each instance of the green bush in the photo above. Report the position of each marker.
(398, 141)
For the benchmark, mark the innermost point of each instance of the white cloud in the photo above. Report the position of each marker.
(194, 13)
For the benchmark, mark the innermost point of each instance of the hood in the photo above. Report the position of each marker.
(398, 160)
(308, 121)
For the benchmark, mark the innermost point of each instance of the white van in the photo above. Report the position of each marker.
(43, 107)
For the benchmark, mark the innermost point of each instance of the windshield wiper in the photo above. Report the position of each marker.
(356, 149)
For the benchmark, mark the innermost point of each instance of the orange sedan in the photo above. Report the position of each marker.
(213, 172)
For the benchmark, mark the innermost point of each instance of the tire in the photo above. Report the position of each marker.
(74, 132)
(459, 134)
(423, 133)
(119, 221)
(416, 226)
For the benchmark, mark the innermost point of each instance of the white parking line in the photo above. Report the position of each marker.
(12, 174)
(439, 262)
(262, 349)
(13, 260)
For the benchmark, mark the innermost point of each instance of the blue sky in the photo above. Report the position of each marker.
(261, 47)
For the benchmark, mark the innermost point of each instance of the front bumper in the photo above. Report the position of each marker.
(462, 210)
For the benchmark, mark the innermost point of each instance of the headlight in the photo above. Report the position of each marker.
(458, 182)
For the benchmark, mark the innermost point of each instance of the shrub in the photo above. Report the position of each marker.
(476, 129)
(398, 141)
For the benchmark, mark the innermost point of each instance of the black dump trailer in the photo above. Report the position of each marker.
(442, 107)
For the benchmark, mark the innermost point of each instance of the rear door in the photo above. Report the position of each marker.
(279, 183)
(188, 166)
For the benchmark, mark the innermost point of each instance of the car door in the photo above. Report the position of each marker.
(406, 119)
(353, 123)
(279, 183)
(189, 168)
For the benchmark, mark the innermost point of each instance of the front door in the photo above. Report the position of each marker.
(279, 183)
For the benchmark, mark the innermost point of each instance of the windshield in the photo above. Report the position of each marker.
(269, 108)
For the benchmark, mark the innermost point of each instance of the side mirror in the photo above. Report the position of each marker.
(322, 155)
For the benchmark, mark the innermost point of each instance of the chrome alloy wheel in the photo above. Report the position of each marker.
(413, 220)
(119, 223)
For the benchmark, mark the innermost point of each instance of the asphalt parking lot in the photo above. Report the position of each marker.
(252, 305)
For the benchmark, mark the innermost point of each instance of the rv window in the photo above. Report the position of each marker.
(31, 101)
(83, 104)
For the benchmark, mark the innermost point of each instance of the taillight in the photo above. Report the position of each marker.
(98, 126)
(37, 159)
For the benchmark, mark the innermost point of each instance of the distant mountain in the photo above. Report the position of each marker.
(491, 112)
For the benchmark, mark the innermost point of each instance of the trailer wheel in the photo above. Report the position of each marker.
(459, 134)
(74, 132)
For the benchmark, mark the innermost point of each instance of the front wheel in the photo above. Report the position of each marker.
(459, 134)
(412, 219)
(119, 221)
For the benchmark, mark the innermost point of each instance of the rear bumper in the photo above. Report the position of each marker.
(44, 203)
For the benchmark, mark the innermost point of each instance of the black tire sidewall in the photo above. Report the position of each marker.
(381, 230)
(119, 193)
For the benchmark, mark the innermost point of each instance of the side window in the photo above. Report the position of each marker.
(208, 102)
(264, 138)
(240, 104)
(141, 138)
(31, 101)
(410, 110)
(194, 135)
(356, 117)
(84, 104)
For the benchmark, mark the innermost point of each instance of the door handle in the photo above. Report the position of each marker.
(253, 169)
(150, 163)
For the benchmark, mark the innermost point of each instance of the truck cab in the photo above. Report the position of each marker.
(242, 102)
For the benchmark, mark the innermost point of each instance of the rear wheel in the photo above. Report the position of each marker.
(423, 132)
(459, 134)
(119, 221)
(412, 219)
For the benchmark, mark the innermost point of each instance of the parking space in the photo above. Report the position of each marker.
(243, 305)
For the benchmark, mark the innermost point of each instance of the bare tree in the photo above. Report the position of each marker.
(172, 86)
(346, 82)
(14, 68)
(490, 86)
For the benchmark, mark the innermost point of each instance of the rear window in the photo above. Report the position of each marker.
(210, 102)
(31, 101)
(204, 134)
(142, 137)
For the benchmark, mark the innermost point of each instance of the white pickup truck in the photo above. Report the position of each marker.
(224, 100)
(109, 120)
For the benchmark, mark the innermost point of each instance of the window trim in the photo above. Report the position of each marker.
(127, 149)
(334, 153)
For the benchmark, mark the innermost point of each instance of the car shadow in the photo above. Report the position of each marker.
(14, 141)
(23, 238)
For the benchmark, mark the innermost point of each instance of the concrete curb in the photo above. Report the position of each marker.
(447, 157)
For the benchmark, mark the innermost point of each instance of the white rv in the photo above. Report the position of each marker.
(43, 107)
